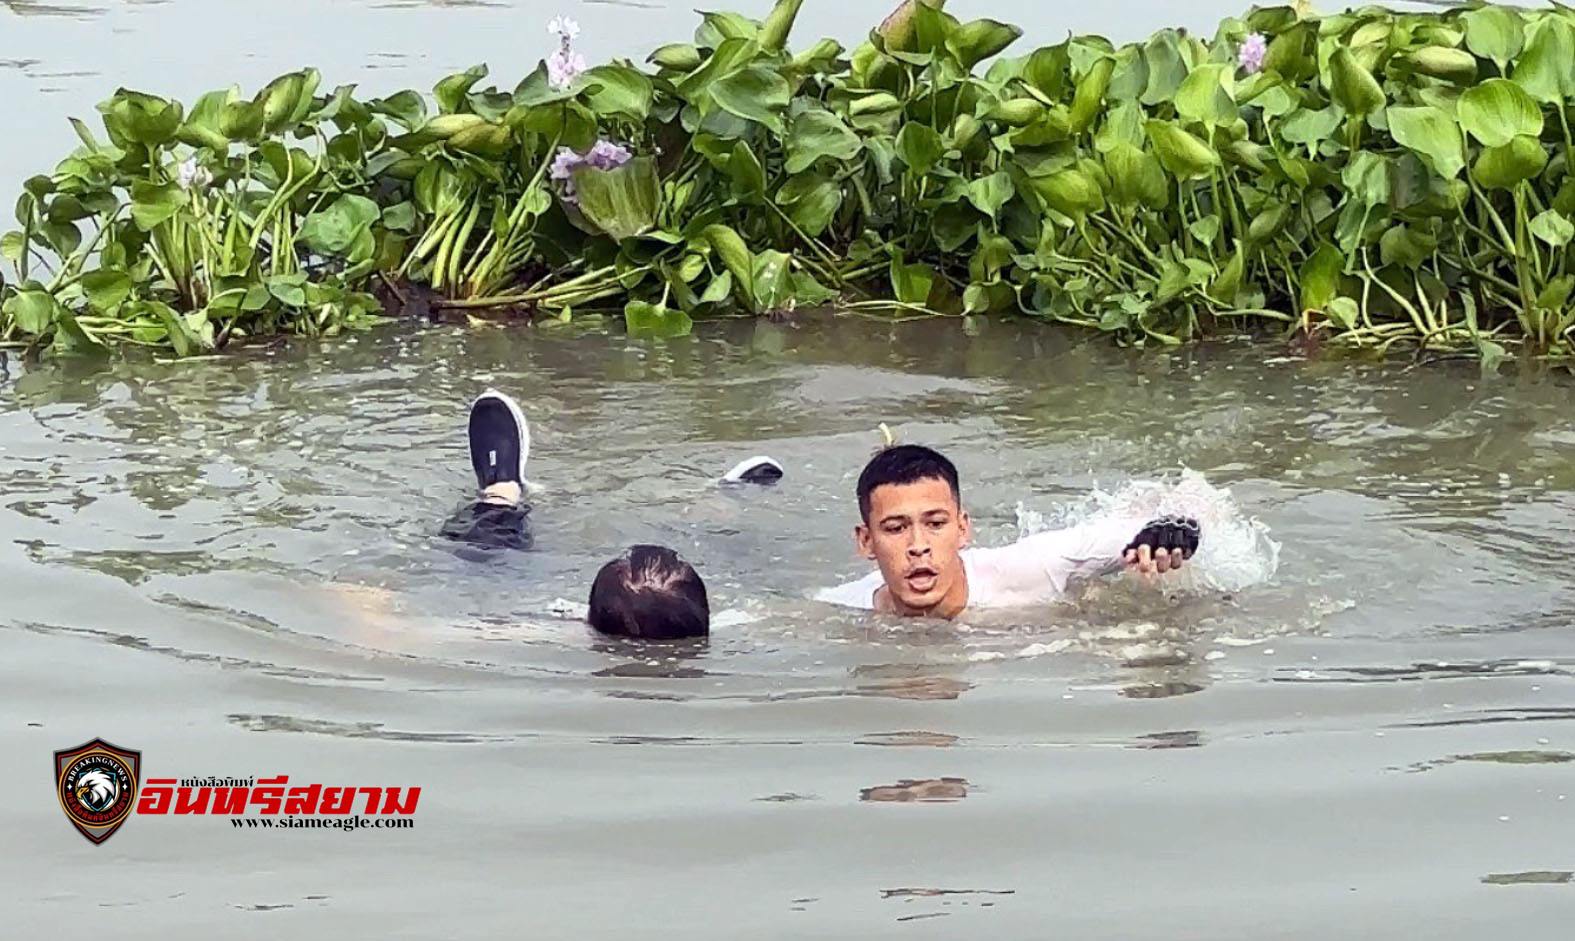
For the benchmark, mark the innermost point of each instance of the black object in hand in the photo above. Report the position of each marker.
(1169, 532)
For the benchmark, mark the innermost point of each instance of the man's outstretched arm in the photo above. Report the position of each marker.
(1043, 565)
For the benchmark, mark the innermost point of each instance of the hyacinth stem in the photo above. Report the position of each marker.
(493, 265)
(457, 256)
(593, 293)
(813, 244)
(563, 287)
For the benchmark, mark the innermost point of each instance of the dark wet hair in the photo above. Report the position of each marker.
(649, 592)
(905, 464)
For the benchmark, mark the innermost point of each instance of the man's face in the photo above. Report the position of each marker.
(916, 533)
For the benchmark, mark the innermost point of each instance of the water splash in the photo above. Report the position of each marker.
(1236, 552)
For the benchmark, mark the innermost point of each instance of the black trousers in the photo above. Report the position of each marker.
(491, 526)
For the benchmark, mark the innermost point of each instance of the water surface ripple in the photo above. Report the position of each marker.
(231, 566)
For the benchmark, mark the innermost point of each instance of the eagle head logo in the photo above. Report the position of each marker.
(97, 790)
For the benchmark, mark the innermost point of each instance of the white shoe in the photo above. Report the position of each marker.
(499, 440)
(756, 470)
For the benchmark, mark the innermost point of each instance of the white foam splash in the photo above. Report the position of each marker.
(1032, 650)
(733, 617)
(1235, 552)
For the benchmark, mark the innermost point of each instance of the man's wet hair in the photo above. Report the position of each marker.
(649, 592)
(905, 464)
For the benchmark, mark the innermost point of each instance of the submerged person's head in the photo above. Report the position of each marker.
(914, 527)
(649, 592)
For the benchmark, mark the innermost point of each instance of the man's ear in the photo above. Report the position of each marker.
(966, 524)
(862, 541)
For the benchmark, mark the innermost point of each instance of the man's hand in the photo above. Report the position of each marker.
(1163, 545)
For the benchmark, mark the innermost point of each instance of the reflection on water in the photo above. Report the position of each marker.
(944, 900)
(1501, 758)
(910, 739)
(935, 893)
(40, 8)
(1161, 690)
(358, 730)
(227, 662)
(927, 791)
(1161, 740)
(670, 661)
(1538, 877)
(917, 688)
(787, 799)
(1433, 671)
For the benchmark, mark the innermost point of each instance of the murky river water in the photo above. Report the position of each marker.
(231, 566)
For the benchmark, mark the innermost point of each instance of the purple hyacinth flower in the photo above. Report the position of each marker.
(603, 155)
(1253, 52)
(607, 155)
(563, 67)
(564, 27)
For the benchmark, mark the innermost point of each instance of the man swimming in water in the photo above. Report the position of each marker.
(648, 592)
(915, 529)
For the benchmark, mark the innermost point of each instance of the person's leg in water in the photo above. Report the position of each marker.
(499, 449)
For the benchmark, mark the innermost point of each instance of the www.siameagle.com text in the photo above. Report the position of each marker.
(348, 824)
(272, 803)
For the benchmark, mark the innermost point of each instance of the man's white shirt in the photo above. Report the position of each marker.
(1036, 570)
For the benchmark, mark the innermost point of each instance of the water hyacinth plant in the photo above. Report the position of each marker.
(1372, 178)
